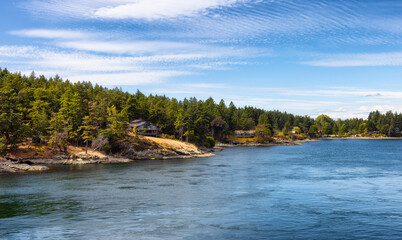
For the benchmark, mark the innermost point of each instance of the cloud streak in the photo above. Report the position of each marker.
(358, 60)
(159, 9)
(240, 19)
(52, 34)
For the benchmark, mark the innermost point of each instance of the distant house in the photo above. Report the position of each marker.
(244, 133)
(145, 128)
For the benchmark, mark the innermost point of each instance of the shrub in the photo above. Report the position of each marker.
(3, 146)
(211, 141)
(263, 133)
(168, 136)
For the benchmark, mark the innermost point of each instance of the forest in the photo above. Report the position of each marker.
(58, 112)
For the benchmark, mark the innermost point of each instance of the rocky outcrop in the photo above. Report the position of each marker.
(154, 148)
(8, 165)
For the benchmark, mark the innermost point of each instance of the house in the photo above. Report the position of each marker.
(244, 133)
(145, 128)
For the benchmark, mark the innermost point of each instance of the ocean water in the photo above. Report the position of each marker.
(332, 189)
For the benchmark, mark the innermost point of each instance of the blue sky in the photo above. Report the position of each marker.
(341, 58)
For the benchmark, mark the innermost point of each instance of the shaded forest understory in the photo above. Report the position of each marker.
(59, 113)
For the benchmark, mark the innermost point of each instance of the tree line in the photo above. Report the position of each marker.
(60, 113)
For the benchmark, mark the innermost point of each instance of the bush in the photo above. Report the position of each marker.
(211, 141)
(168, 136)
(3, 146)
(263, 133)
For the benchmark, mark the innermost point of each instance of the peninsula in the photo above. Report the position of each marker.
(52, 121)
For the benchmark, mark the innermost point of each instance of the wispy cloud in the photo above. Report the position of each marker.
(338, 92)
(234, 20)
(159, 9)
(53, 34)
(108, 69)
(129, 78)
(132, 47)
(358, 60)
(132, 9)
(77, 54)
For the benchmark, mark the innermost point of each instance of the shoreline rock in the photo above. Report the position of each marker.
(43, 164)
(10, 166)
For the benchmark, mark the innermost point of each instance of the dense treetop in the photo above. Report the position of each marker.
(60, 113)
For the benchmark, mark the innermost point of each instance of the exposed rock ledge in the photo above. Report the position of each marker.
(41, 164)
(7, 165)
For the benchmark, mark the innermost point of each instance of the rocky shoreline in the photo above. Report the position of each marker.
(12, 165)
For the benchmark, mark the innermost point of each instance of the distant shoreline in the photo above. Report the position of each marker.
(291, 142)
(365, 138)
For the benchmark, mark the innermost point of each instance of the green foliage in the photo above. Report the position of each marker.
(210, 141)
(11, 113)
(366, 133)
(327, 129)
(313, 131)
(263, 119)
(168, 136)
(135, 130)
(263, 133)
(190, 136)
(321, 120)
(3, 146)
(219, 128)
(179, 124)
(297, 130)
(362, 128)
(63, 113)
(343, 130)
(88, 131)
(286, 128)
(117, 121)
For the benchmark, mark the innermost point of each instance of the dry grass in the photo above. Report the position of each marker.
(81, 151)
(26, 150)
(173, 144)
(31, 151)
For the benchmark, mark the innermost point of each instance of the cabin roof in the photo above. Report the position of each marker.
(244, 131)
(142, 124)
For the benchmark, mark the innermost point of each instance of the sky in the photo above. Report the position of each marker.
(340, 58)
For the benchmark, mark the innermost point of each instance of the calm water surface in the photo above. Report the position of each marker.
(336, 189)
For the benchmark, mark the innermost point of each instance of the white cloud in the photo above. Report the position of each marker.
(130, 78)
(360, 111)
(238, 20)
(17, 51)
(104, 69)
(52, 34)
(359, 60)
(110, 70)
(122, 9)
(205, 85)
(135, 47)
(159, 9)
(163, 50)
(336, 92)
